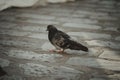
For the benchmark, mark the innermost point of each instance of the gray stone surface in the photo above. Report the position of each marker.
(24, 43)
(12, 77)
(78, 25)
(115, 76)
(22, 54)
(111, 28)
(77, 20)
(14, 33)
(110, 55)
(39, 36)
(95, 51)
(4, 62)
(117, 38)
(97, 79)
(47, 46)
(92, 52)
(33, 28)
(36, 21)
(109, 44)
(37, 16)
(89, 35)
(55, 72)
(93, 62)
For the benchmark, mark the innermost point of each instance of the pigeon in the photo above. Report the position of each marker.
(63, 41)
(2, 72)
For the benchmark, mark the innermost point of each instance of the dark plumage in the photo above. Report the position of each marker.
(2, 72)
(62, 40)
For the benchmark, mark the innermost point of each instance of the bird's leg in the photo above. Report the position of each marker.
(52, 50)
(60, 51)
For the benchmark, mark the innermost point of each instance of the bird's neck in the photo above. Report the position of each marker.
(51, 34)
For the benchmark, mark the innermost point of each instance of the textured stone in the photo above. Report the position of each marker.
(97, 63)
(21, 3)
(97, 79)
(78, 25)
(59, 14)
(110, 55)
(115, 76)
(63, 72)
(84, 12)
(77, 20)
(107, 2)
(4, 62)
(36, 21)
(13, 43)
(103, 17)
(22, 54)
(47, 46)
(14, 33)
(56, 10)
(25, 40)
(91, 52)
(117, 38)
(13, 77)
(75, 52)
(30, 28)
(33, 45)
(39, 36)
(95, 51)
(7, 25)
(103, 44)
(89, 35)
(58, 1)
(37, 16)
(111, 29)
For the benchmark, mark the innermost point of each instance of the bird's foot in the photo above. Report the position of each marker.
(52, 50)
(60, 51)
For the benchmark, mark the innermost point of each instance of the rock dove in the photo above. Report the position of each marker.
(63, 41)
(2, 72)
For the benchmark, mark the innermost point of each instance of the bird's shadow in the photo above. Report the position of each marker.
(71, 52)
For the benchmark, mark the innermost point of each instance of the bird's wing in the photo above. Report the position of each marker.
(76, 46)
(64, 35)
(60, 39)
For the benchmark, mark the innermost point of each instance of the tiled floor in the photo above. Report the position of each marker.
(24, 44)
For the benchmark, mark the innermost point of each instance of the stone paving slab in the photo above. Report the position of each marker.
(30, 55)
(4, 62)
(77, 20)
(93, 62)
(117, 38)
(14, 33)
(84, 26)
(47, 17)
(39, 36)
(55, 72)
(13, 77)
(24, 42)
(19, 44)
(6, 26)
(47, 46)
(109, 44)
(89, 35)
(97, 79)
(111, 29)
(36, 21)
(110, 55)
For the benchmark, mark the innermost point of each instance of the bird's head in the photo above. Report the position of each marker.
(51, 28)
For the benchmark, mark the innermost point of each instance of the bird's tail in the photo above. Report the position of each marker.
(77, 46)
